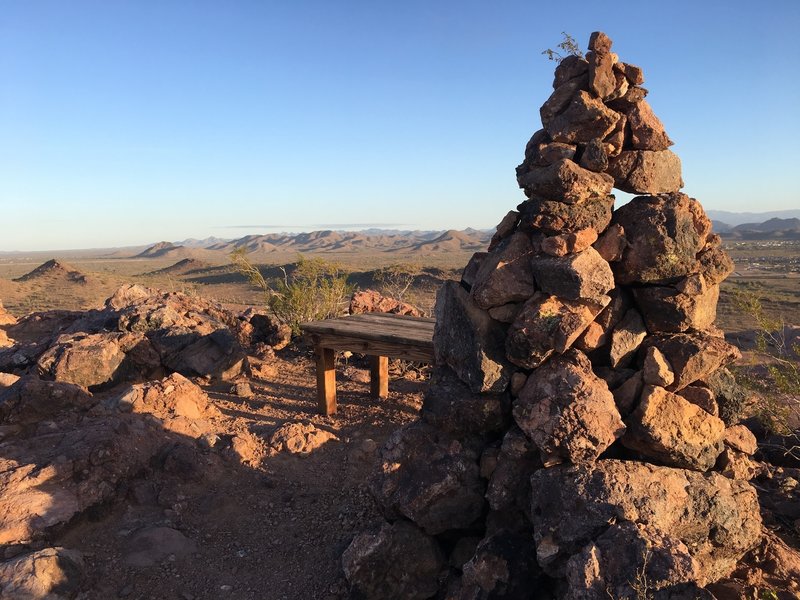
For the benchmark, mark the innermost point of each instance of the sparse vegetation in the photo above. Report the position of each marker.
(313, 289)
(397, 279)
(780, 390)
(567, 47)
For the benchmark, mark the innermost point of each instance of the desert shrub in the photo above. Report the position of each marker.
(567, 47)
(779, 391)
(397, 279)
(313, 289)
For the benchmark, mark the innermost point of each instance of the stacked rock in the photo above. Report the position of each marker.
(570, 444)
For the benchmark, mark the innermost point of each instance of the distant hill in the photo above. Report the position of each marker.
(159, 250)
(733, 219)
(772, 229)
(54, 270)
(182, 267)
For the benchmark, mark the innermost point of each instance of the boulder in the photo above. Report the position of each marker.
(701, 396)
(51, 574)
(646, 171)
(450, 406)
(594, 156)
(469, 341)
(581, 276)
(299, 438)
(601, 73)
(509, 481)
(471, 270)
(560, 99)
(265, 328)
(656, 369)
(505, 228)
(547, 154)
(430, 478)
(505, 275)
(181, 405)
(567, 411)
(505, 313)
(396, 562)
(673, 431)
(6, 318)
(665, 309)
(30, 400)
(565, 181)
(584, 119)
(550, 217)
(740, 438)
(611, 245)
(730, 397)
(626, 338)
(716, 518)
(664, 235)
(98, 360)
(571, 67)
(569, 243)
(647, 131)
(628, 560)
(369, 301)
(548, 324)
(49, 477)
(715, 264)
(504, 566)
(693, 356)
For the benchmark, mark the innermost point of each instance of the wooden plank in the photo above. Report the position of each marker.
(379, 376)
(326, 380)
(392, 317)
(420, 352)
(387, 324)
(372, 331)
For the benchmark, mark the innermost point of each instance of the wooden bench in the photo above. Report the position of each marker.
(378, 335)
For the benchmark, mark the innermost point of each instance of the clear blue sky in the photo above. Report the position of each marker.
(128, 122)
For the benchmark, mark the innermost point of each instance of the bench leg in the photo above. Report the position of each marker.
(326, 380)
(379, 376)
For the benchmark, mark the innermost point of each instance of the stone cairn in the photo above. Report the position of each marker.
(570, 444)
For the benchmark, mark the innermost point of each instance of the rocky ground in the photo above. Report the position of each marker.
(224, 483)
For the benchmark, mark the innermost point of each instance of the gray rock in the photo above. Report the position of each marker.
(469, 341)
(397, 562)
(505, 275)
(584, 275)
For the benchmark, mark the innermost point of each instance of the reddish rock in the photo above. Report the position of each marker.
(656, 370)
(505, 313)
(370, 301)
(646, 171)
(693, 356)
(397, 562)
(509, 484)
(627, 395)
(505, 275)
(504, 228)
(556, 218)
(430, 478)
(547, 324)
(672, 430)
(552, 152)
(571, 67)
(29, 400)
(584, 275)
(715, 264)
(6, 318)
(611, 245)
(628, 100)
(702, 397)
(717, 519)
(621, 86)
(615, 141)
(740, 438)
(568, 411)
(565, 181)
(736, 465)
(299, 438)
(592, 338)
(633, 74)
(51, 574)
(468, 340)
(665, 309)
(600, 42)
(601, 74)
(560, 99)
(265, 328)
(647, 131)
(626, 339)
(664, 235)
(584, 119)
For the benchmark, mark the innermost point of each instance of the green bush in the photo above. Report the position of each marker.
(310, 290)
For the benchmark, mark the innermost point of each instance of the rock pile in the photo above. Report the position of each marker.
(570, 444)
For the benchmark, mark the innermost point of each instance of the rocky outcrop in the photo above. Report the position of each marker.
(369, 301)
(616, 477)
